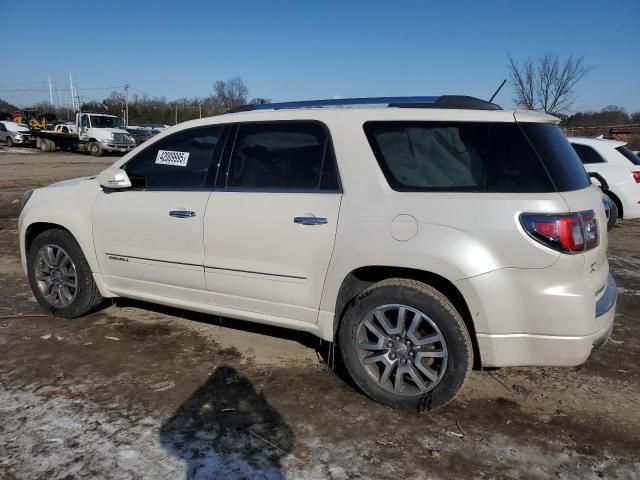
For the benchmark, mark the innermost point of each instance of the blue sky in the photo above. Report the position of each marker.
(307, 50)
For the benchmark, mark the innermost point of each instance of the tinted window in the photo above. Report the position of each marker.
(587, 154)
(628, 153)
(282, 155)
(561, 161)
(179, 161)
(490, 157)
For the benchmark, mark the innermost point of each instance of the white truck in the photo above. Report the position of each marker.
(95, 133)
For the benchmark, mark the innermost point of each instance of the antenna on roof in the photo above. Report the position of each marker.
(499, 88)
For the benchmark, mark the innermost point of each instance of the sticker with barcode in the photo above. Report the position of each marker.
(168, 157)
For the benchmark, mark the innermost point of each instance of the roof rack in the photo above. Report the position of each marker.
(444, 101)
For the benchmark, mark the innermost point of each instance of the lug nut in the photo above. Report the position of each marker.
(408, 342)
(389, 344)
(397, 338)
(392, 356)
(411, 354)
(404, 360)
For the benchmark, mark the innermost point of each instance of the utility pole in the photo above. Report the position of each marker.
(73, 105)
(50, 92)
(176, 114)
(126, 105)
(200, 108)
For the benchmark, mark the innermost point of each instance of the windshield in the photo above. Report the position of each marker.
(100, 121)
(627, 152)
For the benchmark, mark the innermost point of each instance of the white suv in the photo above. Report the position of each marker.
(422, 235)
(619, 166)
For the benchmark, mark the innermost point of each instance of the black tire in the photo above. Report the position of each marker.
(95, 149)
(613, 213)
(87, 297)
(9, 141)
(425, 299)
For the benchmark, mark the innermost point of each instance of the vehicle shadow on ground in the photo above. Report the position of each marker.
(228, 430)
(327, 352)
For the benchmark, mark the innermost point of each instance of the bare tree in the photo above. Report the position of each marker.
(548, 83)
(228, 95)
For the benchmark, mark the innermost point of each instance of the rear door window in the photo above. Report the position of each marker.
(457, 156)
(587, 154)
(283, 156)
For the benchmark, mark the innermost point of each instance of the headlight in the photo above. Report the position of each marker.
(25, 198)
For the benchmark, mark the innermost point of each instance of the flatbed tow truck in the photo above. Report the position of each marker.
(95, 133)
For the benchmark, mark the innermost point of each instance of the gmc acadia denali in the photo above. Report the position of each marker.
(422, 235)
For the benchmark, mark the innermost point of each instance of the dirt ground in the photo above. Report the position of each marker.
(140, 391)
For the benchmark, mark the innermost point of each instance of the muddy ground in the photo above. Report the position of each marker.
(141, 391)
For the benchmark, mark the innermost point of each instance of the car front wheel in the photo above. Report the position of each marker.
(59, 275)
(405, 345)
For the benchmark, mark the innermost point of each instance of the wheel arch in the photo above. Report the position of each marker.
(617, 201)
(36, 228)
(361, 278)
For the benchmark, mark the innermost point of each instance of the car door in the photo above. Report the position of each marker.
(149, 239)
(271, 220)
(84, 127)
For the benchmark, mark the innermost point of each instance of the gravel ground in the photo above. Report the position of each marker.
(141, 391)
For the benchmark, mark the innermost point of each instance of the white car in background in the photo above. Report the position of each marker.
(619, 166)
(14, 133)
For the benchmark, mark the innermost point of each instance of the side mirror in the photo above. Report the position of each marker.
(114, 178)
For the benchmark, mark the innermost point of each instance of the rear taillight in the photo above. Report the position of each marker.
(636, 176)
(567, 233)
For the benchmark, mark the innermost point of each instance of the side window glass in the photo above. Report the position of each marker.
(283, 155)
(431, 156)
(182, 160)
(587, 154)
(84, 121)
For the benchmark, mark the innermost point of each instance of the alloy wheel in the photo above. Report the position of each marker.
(402, 349)
(56, 276)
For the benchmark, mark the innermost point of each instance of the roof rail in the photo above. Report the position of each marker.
(444, 101)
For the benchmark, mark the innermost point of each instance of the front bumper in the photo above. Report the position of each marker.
(23, 140)
(117, 147)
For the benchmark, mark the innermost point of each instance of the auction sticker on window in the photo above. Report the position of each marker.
(168, 157)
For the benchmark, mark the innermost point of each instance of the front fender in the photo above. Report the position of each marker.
(69, 207)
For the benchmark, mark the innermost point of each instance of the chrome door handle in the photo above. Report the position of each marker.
(182, 213)
(310, 220)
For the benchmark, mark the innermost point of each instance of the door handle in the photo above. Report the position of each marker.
(182, 213)
(310, 220)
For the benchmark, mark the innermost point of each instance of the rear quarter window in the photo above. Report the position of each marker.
(560, 159)
(628, 153)
(457, 156)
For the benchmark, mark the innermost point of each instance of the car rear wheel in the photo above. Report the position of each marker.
(405, 345)
(60, 276)
(9, 141)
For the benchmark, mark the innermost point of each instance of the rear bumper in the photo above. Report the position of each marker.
(568, 340)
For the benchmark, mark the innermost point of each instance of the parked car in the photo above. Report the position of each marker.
(15, 134)
(421, 238)
(620, 168)
(65, 127)
(141, 135)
